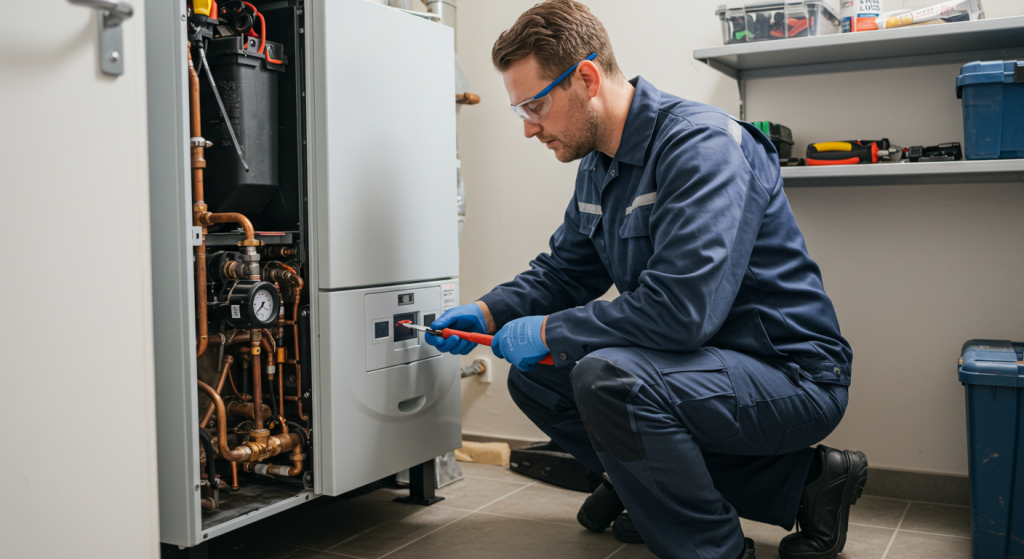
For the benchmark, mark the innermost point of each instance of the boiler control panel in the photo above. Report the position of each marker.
(388, 344)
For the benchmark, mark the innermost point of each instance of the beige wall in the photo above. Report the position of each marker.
(78, 474)
(913, 271)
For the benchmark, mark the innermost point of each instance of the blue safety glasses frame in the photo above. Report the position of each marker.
(535, 108)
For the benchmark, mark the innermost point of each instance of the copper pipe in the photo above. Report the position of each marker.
(241, 453)
(267, 343)
(245, 411)
(257, 380)
(237, 337)
(239, 395)
(208, 503)
(234, 476)
(228, 360)
(280, 252)
(198, 162)
(196, 130)
(207, 218)
(295, 353)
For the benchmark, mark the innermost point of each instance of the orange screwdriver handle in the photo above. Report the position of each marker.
(483, 339)
(468, 336)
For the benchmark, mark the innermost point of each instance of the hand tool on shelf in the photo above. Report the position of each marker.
(848, 152)
(891, 155)
(941, 152)
(469, 336)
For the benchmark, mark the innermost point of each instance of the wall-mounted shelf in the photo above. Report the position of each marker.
(877, 174)
(987, 39)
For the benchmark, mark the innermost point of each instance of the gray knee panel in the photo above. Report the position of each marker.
(604, 395)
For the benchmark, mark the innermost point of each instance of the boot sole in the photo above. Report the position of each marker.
(626, 537)
(855, 482)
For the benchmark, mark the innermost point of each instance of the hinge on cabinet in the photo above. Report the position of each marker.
(197, 235)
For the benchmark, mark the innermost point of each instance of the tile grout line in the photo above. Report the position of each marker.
(908, 531)
(456, 520)
(308, 548)
(497, 479)
(616, 551)
(350, 538)
(897, 530)
(374, 527)
(526, 519)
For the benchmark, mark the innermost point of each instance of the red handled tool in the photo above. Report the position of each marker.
(850, 152)
(469, 336)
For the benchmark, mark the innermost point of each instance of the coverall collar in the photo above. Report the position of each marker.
(639, 127)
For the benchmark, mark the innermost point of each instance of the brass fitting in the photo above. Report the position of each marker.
(264, 446)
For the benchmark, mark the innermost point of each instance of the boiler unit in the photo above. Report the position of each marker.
(303, 165)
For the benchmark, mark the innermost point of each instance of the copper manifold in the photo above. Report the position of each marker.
(245, 410)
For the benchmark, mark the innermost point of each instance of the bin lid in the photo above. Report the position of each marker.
(992, 362)
(776, 5)
(992, 71)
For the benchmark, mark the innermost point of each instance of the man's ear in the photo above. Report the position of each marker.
(590, 75)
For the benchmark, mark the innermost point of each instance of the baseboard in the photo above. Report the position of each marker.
(918, 486)
(513, 442)
(882, 482)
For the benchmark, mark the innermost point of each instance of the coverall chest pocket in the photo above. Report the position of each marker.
(635, 233)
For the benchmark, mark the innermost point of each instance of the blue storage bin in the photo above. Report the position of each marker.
(993, 373)
(993, 99)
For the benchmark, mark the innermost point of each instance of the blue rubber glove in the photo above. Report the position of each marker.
(519, 342)
(468, 318)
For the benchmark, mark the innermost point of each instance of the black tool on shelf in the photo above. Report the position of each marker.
(942, 152)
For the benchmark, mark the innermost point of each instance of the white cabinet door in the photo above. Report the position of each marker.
(79, 469)
(382, 128)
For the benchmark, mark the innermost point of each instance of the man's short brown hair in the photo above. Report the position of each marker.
(559, 33)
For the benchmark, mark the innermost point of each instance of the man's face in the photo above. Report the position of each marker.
(571, 125)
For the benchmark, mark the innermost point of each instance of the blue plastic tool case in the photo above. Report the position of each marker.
(992, 372)
(993, 100)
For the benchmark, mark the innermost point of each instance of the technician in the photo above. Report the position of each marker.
(700, 389)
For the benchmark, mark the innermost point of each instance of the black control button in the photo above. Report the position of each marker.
(401, 332)
(380, 330)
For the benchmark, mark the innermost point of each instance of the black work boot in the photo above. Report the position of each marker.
(600, 508)
(748, 549)
(838, 481)
(625, 531)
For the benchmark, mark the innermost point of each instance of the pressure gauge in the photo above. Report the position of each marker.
(250, 304)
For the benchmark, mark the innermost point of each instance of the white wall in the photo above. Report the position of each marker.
(913, 271)
(78, 466)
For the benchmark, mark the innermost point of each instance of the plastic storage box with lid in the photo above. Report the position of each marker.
(767, 21)
(781, 137)
(993, 100)
(992, 372)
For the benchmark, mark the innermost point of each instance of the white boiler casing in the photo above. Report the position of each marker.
(382, 160)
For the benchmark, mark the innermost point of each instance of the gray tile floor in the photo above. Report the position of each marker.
(494, 513)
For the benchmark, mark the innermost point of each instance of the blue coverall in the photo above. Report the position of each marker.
(700, 389)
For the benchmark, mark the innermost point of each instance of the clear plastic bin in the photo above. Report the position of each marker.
(774, 20)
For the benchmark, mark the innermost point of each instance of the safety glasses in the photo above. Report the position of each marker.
(535, 108)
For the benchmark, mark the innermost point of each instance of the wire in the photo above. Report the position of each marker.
(263, 26)
(263, 34)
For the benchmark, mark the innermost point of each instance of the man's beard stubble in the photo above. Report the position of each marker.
(581, 139)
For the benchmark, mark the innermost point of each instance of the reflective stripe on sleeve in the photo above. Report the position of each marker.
(590, 208)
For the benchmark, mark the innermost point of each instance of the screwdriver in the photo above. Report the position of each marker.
(468, 336)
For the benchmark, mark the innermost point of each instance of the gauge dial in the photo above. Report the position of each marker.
(250, 304)
(263, 305)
